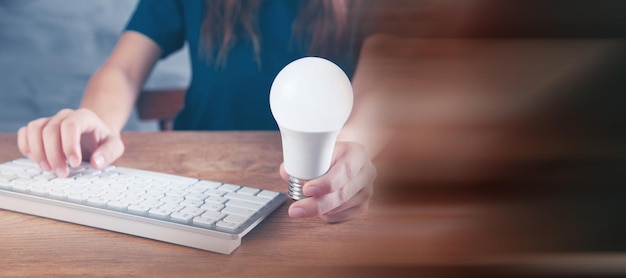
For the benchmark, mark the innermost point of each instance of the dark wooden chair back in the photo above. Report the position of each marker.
(162, 105)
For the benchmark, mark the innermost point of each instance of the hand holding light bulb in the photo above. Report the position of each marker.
(311, 99)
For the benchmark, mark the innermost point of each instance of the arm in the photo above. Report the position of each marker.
(114, 88)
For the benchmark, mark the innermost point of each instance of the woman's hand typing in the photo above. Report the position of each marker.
(67, 138)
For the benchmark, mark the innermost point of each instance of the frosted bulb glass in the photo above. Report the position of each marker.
(311, 99)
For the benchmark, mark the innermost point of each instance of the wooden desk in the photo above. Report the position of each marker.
(33, 246)
(406, 230)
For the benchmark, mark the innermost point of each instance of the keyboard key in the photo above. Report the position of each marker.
(215, 200)
(21, 187)
(158, 212)
(173, 207)
(248, 191)
(39, 189)
(45, 176)
(237, 219)
(227, 225)
(138, 209)
(172, 199)
(110, 196)
(91, 172)
(27, 163)
(267, 194)
(12, 168)
(151, 203)
(5, 185)
(182, 217)
(153, 195)
(134, 192)
(203, 221)
(21, 181)
(176, 193)
(247, 198)
(76, 197)
(191, 203)
(215, 215)
(214, 207)
(192, 210)
(133, 200)
(117, 205)
(177, 186)
(215, 192)
(244, 204)
(229, 187)
(239, 211)
(97, 201)
(160, 183)
(57, 193)
(6, 177)
(195, 196)
(205, 185)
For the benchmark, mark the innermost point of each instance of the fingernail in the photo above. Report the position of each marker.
(297, 213)
(73, 160)
(60, 172)
(312, 191)
(99, 160)
(44, 165)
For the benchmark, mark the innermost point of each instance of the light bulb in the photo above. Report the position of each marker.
(311, 99)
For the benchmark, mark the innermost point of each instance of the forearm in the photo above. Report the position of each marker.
(366, 126)
(372, 138)
(111, 95)
(113, 89)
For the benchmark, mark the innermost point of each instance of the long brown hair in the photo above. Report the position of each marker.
(322, 25)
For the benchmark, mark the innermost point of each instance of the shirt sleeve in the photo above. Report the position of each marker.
(161, 21)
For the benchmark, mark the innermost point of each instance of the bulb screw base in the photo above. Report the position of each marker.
(295, 188)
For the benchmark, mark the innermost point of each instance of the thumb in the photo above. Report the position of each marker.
(108, 151)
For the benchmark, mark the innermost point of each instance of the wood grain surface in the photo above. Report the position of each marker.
(406, 231)
(33, 246)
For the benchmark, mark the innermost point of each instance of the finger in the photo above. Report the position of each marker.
(22, 141)
(72, 129)
(346, 215)
(324, 204)
(304, 208)
(35, 142)
(349, 210)
(348, 162)
(283, 173)
(110, 150)
(361, 197)
(52, 144)
(330, 201)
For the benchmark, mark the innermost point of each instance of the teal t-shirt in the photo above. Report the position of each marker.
(236, 96)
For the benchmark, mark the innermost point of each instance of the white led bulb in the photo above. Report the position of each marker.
(311, 99)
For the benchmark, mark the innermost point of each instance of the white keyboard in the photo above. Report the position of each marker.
(197, 213)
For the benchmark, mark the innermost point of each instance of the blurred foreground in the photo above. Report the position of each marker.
(515, 145)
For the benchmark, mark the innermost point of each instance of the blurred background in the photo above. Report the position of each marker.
(50, 48)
